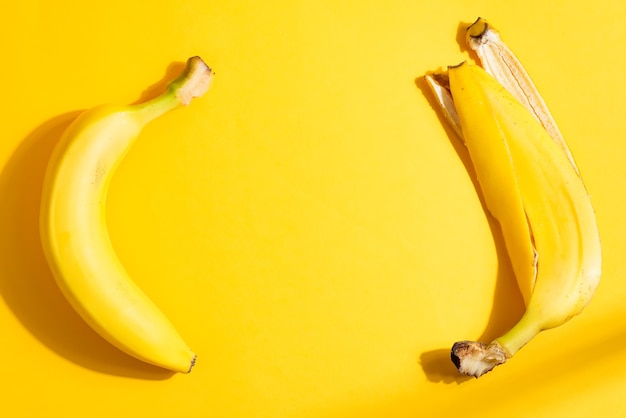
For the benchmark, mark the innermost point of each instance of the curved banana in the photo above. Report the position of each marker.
(559, 215)
(74, 235)
(533, 188)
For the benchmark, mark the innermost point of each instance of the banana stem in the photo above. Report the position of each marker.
(473, 358)
(194, 81)
(517, 337)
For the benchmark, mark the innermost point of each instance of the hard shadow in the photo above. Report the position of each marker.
(26, 283)
(438, 367)
(461, 32)
(173, 70)
(508, 305)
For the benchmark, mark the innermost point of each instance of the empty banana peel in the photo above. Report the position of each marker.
(499, 61)
(530, 184)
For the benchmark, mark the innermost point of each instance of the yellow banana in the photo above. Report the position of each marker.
(74, 235)
(534, 190)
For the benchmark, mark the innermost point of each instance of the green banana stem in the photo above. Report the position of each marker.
(525, 330)
(194, 81)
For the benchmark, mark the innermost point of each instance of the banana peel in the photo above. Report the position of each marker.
(531, 186)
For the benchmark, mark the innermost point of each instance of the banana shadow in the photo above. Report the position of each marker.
(26, 283)
(173, 70)
(508, 305)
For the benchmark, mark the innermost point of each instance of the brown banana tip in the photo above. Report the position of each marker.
(194, 62)
(454, 357)
(193, 363)
(441, 78)
(457, 65)
(194, 81)
(477, 29)
(474, 358)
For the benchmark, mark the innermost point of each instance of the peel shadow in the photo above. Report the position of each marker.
(508, 306)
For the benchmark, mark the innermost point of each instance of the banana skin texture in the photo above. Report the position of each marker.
(73, 228)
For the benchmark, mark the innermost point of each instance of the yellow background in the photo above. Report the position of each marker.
(309, 225)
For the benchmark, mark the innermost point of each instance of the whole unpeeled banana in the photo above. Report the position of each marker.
(530, 184)
(74, 234)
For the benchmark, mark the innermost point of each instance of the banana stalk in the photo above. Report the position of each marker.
(530, 184)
